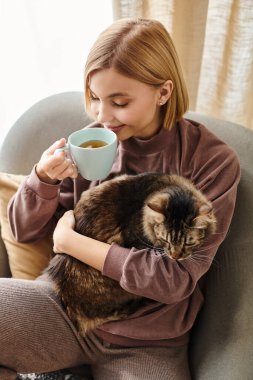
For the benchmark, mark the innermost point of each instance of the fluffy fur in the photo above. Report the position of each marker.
(149, 210)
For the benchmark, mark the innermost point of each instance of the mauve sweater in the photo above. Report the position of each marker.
(173, 288)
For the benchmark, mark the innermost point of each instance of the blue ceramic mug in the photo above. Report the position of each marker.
(93, 150)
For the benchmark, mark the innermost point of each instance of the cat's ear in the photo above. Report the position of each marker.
(158, 205)
(206, 218)
(205, 209)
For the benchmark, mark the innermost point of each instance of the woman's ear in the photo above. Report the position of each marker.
(165, 92)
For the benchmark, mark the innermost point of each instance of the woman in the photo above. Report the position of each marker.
(135, 87)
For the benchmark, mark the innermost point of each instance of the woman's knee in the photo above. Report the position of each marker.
(34, 328)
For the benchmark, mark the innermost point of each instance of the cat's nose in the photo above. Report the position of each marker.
(175, 253)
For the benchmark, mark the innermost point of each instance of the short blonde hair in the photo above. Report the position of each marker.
(140, 49)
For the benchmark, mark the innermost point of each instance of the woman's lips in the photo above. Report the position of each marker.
(115, 129)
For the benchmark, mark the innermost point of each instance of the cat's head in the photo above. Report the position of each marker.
(178, 220)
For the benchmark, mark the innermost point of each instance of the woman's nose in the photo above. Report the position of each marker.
(103, 114)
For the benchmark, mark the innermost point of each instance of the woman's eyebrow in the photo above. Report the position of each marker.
(115, 94)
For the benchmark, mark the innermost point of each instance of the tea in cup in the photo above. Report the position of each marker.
(93, 150)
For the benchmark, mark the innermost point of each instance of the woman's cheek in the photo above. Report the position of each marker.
(94, 110)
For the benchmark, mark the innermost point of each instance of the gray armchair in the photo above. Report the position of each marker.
(221, 343)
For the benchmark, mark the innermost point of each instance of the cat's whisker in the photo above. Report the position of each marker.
(199, 255)
(204, 249)
(196, 260)
(214, 263)
(203, 259)
(163, 256)
(153, 247)
(218, 209)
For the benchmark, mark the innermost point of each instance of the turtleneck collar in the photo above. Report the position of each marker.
(164, 138)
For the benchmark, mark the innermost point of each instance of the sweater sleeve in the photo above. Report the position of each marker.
(146, 273)
(35, 208)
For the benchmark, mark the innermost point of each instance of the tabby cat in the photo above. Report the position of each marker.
(151, 210)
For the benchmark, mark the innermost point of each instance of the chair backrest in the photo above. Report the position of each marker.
(46, 121)
(222, 340)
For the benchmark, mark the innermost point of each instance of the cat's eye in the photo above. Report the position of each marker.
(202, 234)
(190, 244)
(190, 241)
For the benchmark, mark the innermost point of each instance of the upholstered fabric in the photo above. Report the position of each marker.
(46, 121)
(26, 261)
(222, 339)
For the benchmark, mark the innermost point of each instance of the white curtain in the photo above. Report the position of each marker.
(214, 40)
(44, 44)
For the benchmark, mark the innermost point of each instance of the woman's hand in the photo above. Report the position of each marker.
(53, 166)
(63, 231)
(83, 248)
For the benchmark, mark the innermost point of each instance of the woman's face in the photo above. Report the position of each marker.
(124, 105)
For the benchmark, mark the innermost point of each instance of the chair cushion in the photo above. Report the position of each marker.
(26, 261)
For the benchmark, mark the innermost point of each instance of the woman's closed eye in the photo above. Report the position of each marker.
(119, 104)
(115, 104)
